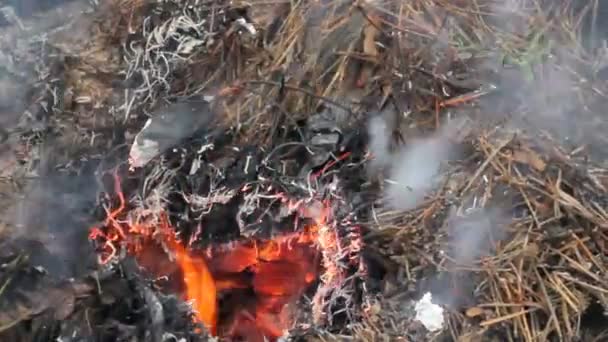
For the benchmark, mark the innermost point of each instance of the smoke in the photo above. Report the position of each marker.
(27, 8)
(544, 81)
(56, 209)
(413, 170)
(544, 70)
(472, 233)
(414, 173)
(49, 207)
(379, 142)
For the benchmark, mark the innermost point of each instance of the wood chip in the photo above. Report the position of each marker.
(531, 250)
(370, 34)
(474, 312)
(527, 156)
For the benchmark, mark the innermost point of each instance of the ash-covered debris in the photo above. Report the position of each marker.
(172, 37)
(325, 133)
(206, 174)
(168, 126)
(36, 303)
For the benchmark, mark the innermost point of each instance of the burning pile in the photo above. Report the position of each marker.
(247, 254)
(246, 289)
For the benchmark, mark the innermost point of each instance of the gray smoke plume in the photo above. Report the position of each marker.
(414, 169)
(379, 142)
(549, 80)
(48, 211)
(414, 173)
(472, 233)
(56, 209)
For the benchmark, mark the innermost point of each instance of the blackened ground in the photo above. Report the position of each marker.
(231, 164)
(595, 318)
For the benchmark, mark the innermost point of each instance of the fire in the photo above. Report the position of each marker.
(277, 271)
(200, 286)
(282, 269)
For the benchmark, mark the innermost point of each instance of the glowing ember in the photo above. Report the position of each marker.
(266, 277)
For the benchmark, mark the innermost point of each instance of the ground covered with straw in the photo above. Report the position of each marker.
(482, 127)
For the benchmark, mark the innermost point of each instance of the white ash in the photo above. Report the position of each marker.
(429, 314)
(247, 26)
(143, 150)
(167, 47)
(168, 126)
(204, 204)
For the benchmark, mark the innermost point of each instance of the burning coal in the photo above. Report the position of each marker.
(248, 289)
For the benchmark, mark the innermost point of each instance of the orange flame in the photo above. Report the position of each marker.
(200, 286)
(279, 270)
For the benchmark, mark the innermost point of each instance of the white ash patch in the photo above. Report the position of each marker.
(429, 314)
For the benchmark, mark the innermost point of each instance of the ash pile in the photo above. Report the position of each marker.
(368, 170)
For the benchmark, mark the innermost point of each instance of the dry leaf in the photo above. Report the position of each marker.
(531, 250)
(542, 207)
(474, 336)
(370, 33)
(527, 156)
(474, 312)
